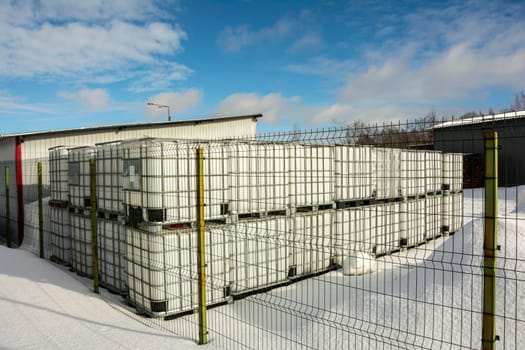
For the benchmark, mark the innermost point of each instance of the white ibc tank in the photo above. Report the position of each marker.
(60, 234)
(311, 241)
(412, 173)
(353, 231)
(387, 172)
(433, 208)
(311, 169)
(387, 223)
(112, 254)
(162, 268)
(109, 171)
(79, 176)
(58, 173)
(433, 171)
(160, 178)
(81, 245)
(259, 253)
(412, 222)
(353, 172)
(453, 172)
(258, 177)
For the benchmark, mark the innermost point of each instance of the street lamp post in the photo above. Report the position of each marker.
(161, 106)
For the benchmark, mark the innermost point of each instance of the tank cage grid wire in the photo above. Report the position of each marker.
(286, 214)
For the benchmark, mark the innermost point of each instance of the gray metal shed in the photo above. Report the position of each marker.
(466, 136)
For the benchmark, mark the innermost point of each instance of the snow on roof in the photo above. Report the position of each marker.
(482, 119)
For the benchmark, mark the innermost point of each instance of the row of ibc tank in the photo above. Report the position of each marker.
(274, 211)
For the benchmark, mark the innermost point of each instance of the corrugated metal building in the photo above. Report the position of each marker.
(466, 136)
(21, 152)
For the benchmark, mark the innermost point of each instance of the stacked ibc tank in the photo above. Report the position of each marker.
(59, 201)
(452, 201)
(159, 185)
(273, 211)
(79, 182)
(111, 217)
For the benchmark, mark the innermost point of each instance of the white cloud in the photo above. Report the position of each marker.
(448, 55)
(302, 30)
(273, 106)
(94, 41)
(233, 39)
(92, 100)
(179, 103)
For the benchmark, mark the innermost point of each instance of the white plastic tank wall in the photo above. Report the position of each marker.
(353, 231)
(58, 173)
(109, 171)
(412, 173)
(162, 268)
(353, 172)
(111, 236)
(433, 171)
(433, 208)
(259, 253)
(413, 222)
(311, 174)
(387, 172)
(311, 241)
(60, 234)
(160, 177)
(457, 207)
(79, 176)
(258, 177)
(453, 172)
(81, 245)
(387, 223)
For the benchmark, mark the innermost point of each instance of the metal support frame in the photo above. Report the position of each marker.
(94, 245)
(201, 252)
(490, 245)
(40, 211)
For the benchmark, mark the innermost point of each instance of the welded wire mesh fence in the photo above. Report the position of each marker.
(353, 237)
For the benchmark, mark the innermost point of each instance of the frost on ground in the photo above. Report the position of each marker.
(45, 307)
(429, 297)
(358, 263)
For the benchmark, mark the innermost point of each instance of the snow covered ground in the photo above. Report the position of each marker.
(427, 297)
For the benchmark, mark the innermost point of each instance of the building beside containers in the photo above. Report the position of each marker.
(20, 152)
(466, 136)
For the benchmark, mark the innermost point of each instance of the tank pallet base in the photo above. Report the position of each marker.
(56, 203)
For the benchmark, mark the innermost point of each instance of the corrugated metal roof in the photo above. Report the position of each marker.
(121, 127)
(483, 119)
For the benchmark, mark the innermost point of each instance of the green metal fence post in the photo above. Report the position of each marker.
(201, 245)
(7, 210)
(490, 244)
(94, 245)
(40, 212)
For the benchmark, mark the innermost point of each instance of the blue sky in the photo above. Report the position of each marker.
(303, 64)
